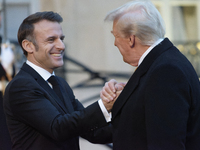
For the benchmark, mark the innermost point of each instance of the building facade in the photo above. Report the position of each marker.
(88, 38)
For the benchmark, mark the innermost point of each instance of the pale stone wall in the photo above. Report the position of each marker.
(88, 38)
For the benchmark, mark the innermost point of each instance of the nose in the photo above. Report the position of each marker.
(60, 44)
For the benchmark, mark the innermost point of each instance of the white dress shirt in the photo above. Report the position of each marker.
(148, 51)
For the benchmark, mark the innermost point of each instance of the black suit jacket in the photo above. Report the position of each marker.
(159, 108)
(38, 121)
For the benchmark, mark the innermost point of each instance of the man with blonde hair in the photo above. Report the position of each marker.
(159, 108)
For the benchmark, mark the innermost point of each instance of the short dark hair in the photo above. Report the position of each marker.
(27, 27)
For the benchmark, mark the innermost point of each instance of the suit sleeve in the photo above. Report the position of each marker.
(98, 135)
(30, 105)
(167, 104)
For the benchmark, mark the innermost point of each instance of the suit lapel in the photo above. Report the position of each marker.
(135, 78)
(128, 89)
(45, 86)
(66, 97)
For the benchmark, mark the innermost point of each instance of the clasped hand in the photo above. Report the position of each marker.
(110, 93)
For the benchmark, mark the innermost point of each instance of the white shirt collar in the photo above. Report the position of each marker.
(148, 50)
(42, 72)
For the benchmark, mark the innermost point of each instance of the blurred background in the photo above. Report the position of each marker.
(91, 58)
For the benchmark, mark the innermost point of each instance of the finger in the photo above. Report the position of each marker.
(122, 84)
(119, 87)
(111, 85)
(107, 95)
(106, 99)
(118, 92)
(117, 95)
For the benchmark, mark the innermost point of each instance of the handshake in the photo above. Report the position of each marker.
(110, 93)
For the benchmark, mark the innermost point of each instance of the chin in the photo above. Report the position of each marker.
(59, 65)
(125, 60)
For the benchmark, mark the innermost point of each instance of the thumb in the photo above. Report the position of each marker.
(119, 87)
(122, 84)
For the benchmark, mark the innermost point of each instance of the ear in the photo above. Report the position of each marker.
(132, 40)
(28, 46)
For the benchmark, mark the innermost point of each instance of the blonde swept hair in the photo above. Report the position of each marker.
(139, 18)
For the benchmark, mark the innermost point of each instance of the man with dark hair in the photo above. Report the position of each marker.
(27, 27)
(38, 117)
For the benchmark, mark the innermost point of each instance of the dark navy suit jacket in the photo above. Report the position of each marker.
(37, 120)
(159, 108)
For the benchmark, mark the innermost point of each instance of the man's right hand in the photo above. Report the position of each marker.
(110, 92)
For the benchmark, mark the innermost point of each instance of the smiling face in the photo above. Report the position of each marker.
(49, 47)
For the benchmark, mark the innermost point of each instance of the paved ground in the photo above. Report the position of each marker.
(85, 145)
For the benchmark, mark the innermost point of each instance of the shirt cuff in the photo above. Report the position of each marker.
(104, 111)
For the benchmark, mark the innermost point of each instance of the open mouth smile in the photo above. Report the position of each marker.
(57, 55)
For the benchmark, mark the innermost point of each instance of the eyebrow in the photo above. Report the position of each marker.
(50, 37)
(54, 37)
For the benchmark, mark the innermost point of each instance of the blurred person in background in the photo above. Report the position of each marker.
(159, 108)
(6, 74)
